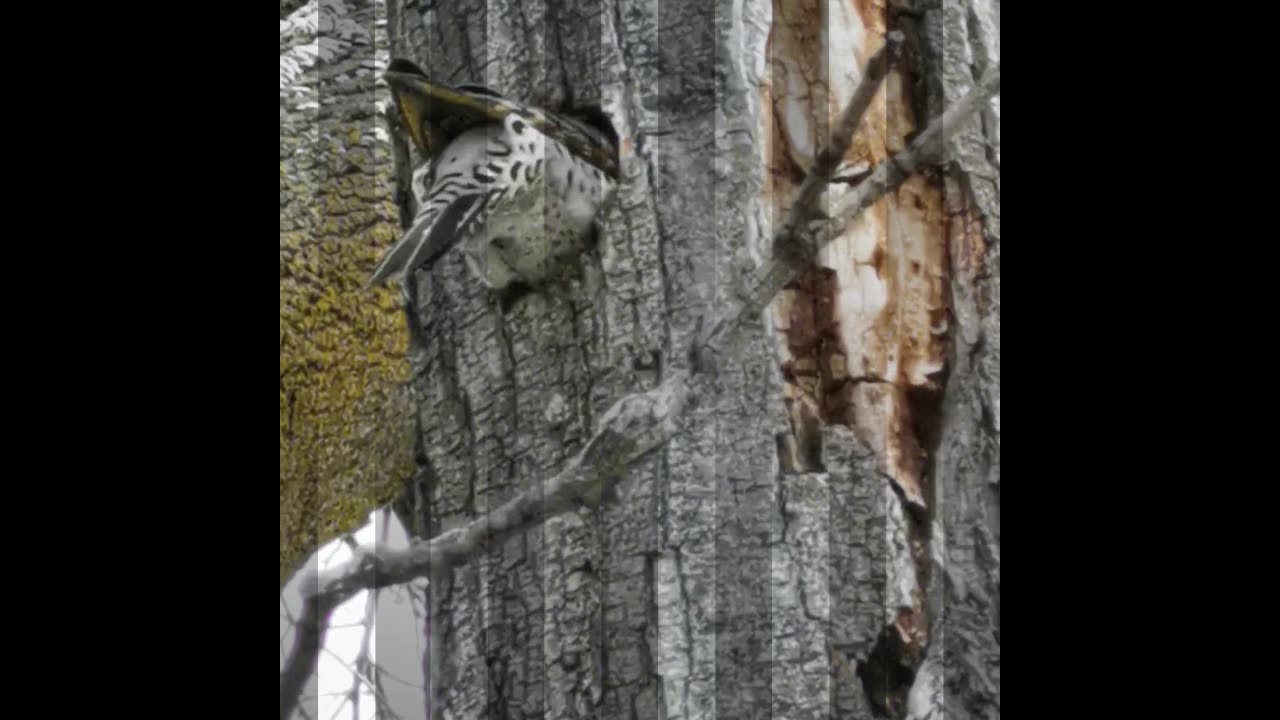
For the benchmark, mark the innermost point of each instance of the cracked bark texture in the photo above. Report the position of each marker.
(657, 606)
(894, 335)
(784, 555)
(960, 677)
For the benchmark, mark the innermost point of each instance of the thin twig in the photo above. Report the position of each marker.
(342, 705)
(363, 663)
(374, 689)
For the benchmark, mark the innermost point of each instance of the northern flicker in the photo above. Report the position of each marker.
(519, 188)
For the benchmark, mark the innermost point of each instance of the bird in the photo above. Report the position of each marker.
(518, 187)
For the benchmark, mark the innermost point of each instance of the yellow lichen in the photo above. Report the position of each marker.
(342, 360)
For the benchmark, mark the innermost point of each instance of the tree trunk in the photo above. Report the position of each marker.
(821, 537)
(346, 434)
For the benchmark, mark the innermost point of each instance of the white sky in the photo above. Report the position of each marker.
(396, 645)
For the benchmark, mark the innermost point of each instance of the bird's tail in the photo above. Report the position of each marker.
(393, 261)
(429, 238)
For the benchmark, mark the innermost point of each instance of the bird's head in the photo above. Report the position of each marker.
(434, 114)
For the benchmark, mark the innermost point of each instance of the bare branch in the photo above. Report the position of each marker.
(308, 638)
(804, 206)
(636, 424)
(926, 149)
(775, 273)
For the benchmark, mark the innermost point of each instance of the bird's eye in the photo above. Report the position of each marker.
(517, 126)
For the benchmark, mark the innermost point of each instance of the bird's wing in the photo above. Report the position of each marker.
(435, 232)
(393, 260)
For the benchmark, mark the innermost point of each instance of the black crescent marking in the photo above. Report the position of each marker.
(452, 184)
(445, 190)
(478, 90)
(506, 148)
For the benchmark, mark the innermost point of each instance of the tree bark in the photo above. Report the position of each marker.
(960, 677)
(346, 433)
(825, 523)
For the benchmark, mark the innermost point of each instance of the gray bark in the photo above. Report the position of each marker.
(720, 586)
(658, 606)
(960, 677)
